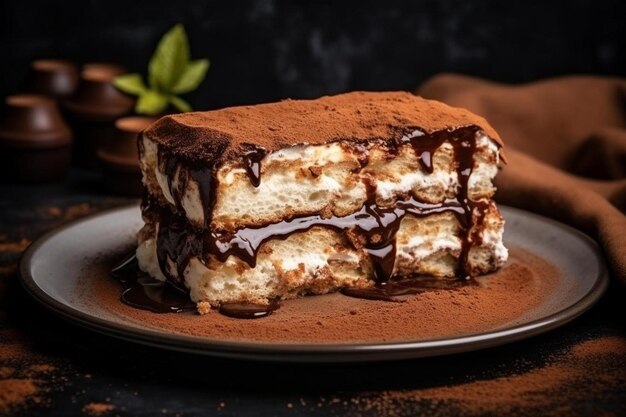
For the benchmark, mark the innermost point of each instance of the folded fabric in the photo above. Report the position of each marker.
(565, 142)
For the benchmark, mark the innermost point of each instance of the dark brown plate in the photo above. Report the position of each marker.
(53, 267)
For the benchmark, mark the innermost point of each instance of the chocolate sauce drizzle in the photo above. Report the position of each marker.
(142, 291)
(247, 311)
(178, 241)
(177, 181)
(395, 290)
(252, 164)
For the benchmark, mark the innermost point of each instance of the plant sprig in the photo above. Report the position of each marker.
(170, 72)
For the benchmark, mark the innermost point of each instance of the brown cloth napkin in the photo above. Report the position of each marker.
(565, 142)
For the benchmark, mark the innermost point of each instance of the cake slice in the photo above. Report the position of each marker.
(274, 201)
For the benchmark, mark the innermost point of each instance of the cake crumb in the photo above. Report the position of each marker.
(203, 307)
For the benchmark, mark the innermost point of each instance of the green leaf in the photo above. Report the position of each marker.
(180, 104)
(151, 103)
(130, 83)
(169, 59)
(191, 77)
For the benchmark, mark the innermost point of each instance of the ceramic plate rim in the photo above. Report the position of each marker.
(288, 352)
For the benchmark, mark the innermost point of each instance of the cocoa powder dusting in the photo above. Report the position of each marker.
(23, 373)
(500, 300)
(14, 246)
(69, 212)
(215, 136)
(599, 347)
(549, 390)
(98, 409)
(5, 372)
(16, 392)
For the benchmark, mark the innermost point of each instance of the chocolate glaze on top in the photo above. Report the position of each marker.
(178, 241)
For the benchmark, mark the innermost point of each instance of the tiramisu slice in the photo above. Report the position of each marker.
(274, 201)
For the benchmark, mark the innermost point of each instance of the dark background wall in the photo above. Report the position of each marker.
(271, 49)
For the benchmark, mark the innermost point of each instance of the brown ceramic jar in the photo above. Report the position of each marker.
(119, 157)
(53, 78)
(93, 110)
(35, 142)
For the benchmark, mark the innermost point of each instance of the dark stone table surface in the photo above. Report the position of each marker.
(578, 369)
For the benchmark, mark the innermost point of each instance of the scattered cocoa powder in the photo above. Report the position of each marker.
(78, 210)
(43, 368)
(503, 299)
(67, 213)
(12, 351)
(51, 211)
(16, 392)
(5, 372)
(18, 246)
(23, 373)
(97, 409)
(584, 372)
(604, 346)
(7, 270)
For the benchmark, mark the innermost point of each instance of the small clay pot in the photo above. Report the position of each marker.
(104, 67)
(93, 110)
(53, 78)
(119, 157)
(35, 142)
